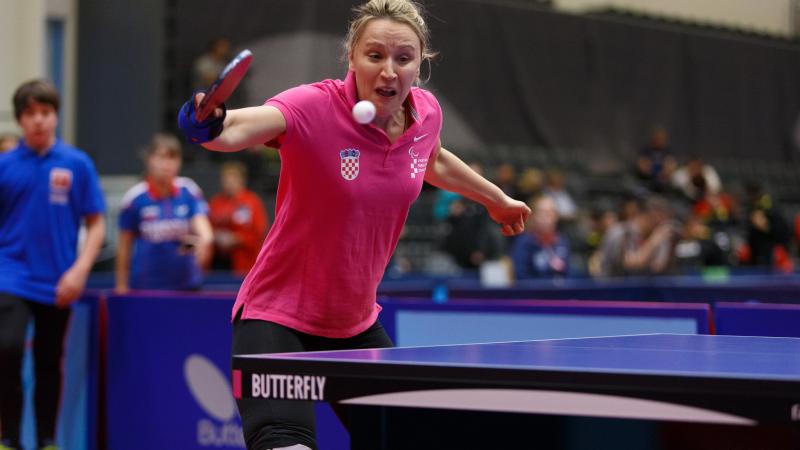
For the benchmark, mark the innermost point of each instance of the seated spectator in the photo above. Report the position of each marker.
(441, 206)
(165, 236)
(688, 178)
(717, 210)
(629, 208)
(768, 232)
(239, 221)
(506, 179)
(656, 162)
(699, 246)
(472, 238)
(209, 65)
(530, 183)
(445, 199)
(600, 221)
(541, 252)
(8, 141)
(642, 245)
(555, 189)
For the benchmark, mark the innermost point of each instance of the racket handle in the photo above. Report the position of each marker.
(204, 109)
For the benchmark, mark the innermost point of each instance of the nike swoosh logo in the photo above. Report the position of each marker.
(417, 138)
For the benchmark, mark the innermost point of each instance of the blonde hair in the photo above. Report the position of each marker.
(401, 11)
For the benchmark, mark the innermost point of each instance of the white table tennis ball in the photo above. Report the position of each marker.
(364, 112)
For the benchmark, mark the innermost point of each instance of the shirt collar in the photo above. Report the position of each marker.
(151, 189)
(33, 153)
(239, 196)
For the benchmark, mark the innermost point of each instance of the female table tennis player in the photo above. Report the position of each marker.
(344, 193)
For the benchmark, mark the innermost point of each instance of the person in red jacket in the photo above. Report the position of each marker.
(239, 221)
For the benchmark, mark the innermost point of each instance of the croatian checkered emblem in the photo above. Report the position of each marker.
(349, 159)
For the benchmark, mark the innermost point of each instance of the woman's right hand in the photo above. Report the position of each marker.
(200, 132)
(218, 112)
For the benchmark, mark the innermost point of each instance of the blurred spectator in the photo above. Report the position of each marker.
(629, 209)
(696, 179)
(565, 205)
(717, 210)
(400, 262)
(209, 65)
(767, 231)
(441, 207)
(257, 159)
(8, 141)
(698, 246)
(656, 162)
(541, 251)
(600, 221)
(445, 199)
(472, 238)
(239, 221)
(506, 179)
(165, 236)
(530, 183)
(642, 245)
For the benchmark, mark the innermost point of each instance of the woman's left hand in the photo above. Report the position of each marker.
(510, 214)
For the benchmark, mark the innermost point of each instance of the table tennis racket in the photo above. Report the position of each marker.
(224, 85)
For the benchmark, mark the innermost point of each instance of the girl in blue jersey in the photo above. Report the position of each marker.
(165, 236)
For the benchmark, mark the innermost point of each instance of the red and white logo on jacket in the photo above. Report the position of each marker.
(60, 180)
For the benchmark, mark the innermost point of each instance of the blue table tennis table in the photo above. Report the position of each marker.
(733, 382)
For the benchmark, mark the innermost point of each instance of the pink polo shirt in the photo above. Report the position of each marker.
(343, 197)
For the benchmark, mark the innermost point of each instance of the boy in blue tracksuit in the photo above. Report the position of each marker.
(46, 189)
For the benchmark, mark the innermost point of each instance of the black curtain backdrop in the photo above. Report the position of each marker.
(120, 72)
(528, 76)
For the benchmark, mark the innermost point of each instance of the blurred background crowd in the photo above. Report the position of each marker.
(649, 138)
